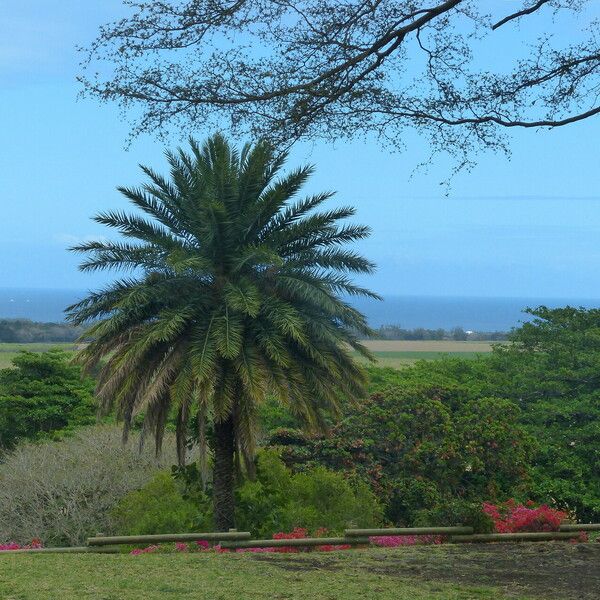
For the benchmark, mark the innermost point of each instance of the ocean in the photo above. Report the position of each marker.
(431, 312)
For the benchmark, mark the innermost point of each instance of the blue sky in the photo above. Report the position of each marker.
(525, 227)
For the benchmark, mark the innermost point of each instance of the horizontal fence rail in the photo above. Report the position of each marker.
(408, 531)
(354, 537)
(333, 541)
(167, 537)
(515, 537)
(66, 550)
(580, 527)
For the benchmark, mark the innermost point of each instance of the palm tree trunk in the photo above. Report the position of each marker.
(223, 475)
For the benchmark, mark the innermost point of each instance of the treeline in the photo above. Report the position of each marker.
(395, 332)
(24, 331)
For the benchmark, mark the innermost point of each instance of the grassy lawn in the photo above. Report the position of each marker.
(360, 574)
(486, 572)
(9, 351)
(400, 353)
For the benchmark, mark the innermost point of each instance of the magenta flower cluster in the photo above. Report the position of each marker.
(34, 545)
(393, 541)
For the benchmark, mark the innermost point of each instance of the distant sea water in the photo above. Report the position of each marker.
(431, 312)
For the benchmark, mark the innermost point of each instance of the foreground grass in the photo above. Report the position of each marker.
(243, 576)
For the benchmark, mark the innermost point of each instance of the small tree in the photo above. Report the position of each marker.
(42, 396)
(237, 294)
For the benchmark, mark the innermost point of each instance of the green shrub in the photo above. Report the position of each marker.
(276, 500)
(279, 500)
(324, 498)
(159, 507)
(42, 397)
(273, 415)
(456, 512)
(550, 371)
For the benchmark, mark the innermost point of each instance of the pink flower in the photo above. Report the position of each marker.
(393, 541)
(147, 550)
(511, 517)
(203, 544)
(34, 545)
(332, 547)
(181, 547)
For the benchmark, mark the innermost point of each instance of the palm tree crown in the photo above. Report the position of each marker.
(236, 291)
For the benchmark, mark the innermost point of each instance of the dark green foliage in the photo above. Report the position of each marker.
(551, 374)
(273, 415)
(44, 395)
(552, 371)
(421, 446)
(456, 511)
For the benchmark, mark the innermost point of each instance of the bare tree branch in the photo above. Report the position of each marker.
(332, 69)
(520, 13)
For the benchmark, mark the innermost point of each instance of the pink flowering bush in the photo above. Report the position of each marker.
(34, 545)
(511, 517)
(181, 547)
(393, 541)
(147, 550)
(508, 517)
(198, 546)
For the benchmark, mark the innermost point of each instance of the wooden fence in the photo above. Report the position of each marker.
(134, 540)
(234, 539)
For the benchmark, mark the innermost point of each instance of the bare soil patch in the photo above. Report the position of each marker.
(541, 570)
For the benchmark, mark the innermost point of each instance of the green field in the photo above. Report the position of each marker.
(401, 353)
(9, 351)
(388, 353)
(383, 574)
(544, 571)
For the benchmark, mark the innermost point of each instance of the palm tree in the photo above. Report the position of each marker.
(235, 292)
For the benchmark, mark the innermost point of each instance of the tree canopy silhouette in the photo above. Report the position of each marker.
(336, 68)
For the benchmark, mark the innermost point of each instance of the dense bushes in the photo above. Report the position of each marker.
(523, 422)
(551, 372)
(281, 500)
(160, 506)
(42, 396)
(61, 492)
(431, 444)
(421, 447)
(275, 500)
